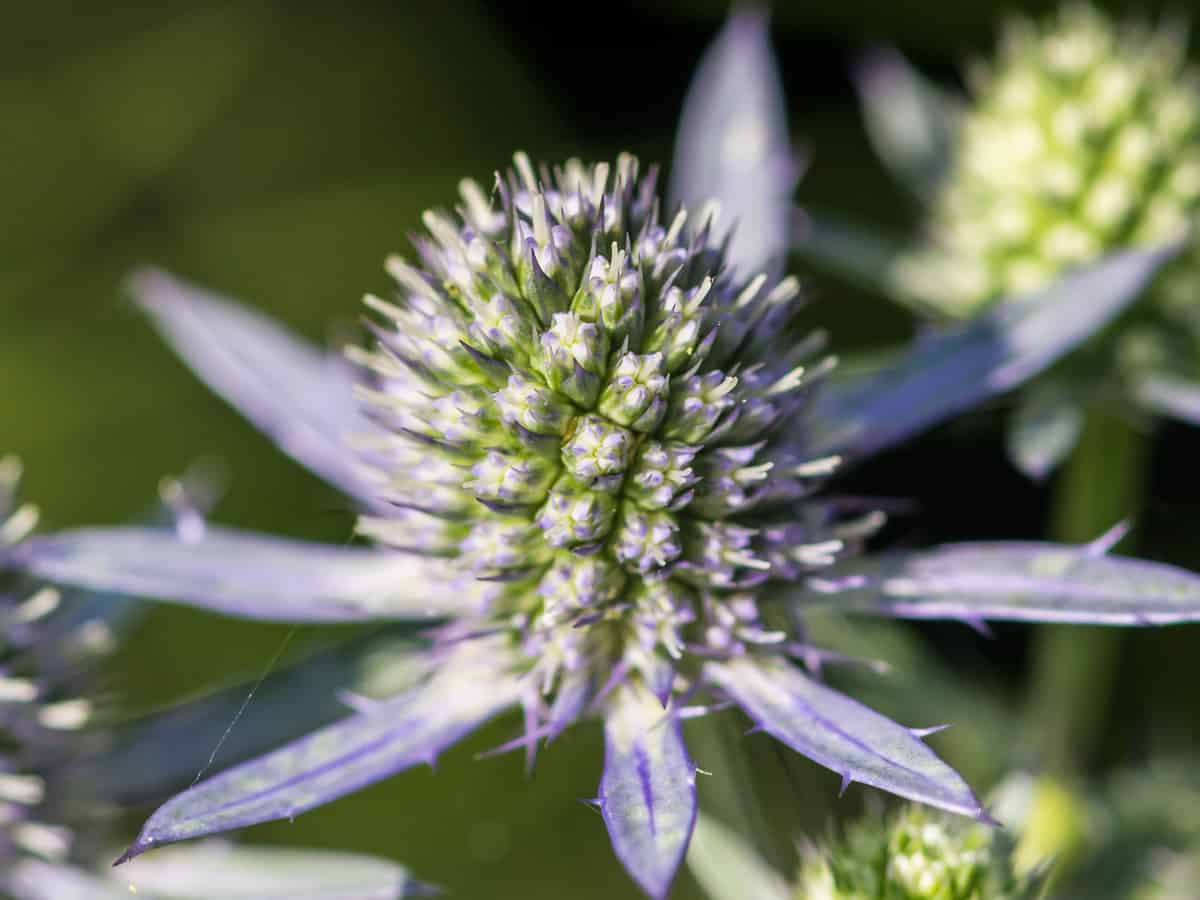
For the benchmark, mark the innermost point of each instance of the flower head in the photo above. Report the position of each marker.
(579, 440)
(588, 415)
(915, 855)
(1077, 152)
(1082, 136)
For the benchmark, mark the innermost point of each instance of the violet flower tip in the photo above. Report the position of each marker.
(847, 780)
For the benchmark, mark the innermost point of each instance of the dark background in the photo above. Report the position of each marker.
(277, 152)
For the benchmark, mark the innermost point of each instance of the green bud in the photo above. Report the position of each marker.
(573, 357)
(531, 405)
(575, 516)
(697, 407)
(636, 394)
(661, 476)
(611, 294)
(598, 451)
(1083, 137)
(918, 855)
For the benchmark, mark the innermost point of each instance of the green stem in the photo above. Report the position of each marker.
(1074, 669)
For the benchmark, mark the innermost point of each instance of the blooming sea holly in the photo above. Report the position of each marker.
(580, 441)
(1081, 137)
(54, 825)
(590, 447)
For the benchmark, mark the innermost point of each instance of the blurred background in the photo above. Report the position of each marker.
(277, 152)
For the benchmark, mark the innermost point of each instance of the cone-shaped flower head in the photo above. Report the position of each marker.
(581, 437)
(586, 411)
(1083, 137)
(916, 855)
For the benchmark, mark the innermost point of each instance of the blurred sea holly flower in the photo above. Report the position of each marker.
(590, 448)
(55, 827)
(912, 854)
(1132, 837)
(916, 855)
(1081, 138)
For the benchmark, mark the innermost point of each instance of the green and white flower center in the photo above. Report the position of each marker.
(917, 855)
(590, 417)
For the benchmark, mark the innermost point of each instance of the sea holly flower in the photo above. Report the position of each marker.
(582, 454)
(590, 451)
(916, 855)
(913, 854)
(55, 826)
(1080, 138)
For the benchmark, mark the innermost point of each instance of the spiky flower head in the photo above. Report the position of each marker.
(589, 417)
(584, 460)
(1082, 137)
(915, 855)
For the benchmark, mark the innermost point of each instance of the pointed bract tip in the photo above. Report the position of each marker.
(926, 732)
(136, 849)
(847, 780)
(977, 624)
(147, 286)
(1101, 545)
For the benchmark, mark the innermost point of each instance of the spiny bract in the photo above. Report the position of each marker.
(917, 855)
(589, 415)
(1083, 137)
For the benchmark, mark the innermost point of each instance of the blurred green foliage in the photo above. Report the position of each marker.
(277, 152)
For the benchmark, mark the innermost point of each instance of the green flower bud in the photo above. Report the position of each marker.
(636, 394)
(661, 476)
(598, 451)
(646, 540)
(611, 294)
(574, 584)
(1083, 137)
(531, 405)
(511, 479)
(919, 855)
(575, 516)
(698, 406)
(572, 356)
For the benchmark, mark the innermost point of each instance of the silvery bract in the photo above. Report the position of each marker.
(54, 824)
(591, 447)
(1081, 138)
